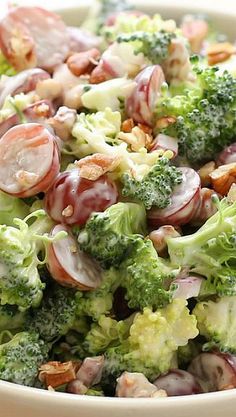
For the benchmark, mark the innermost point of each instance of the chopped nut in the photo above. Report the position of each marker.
(223, 177)
(220, 52)
(42, 110)
(94, 166)
(205, 171)
(68, 211)
(81, 63)
(232, 193)
(99, 75)
(165, 122)
(127, 125)
(145, 128)
(55, 373)
(137, 139)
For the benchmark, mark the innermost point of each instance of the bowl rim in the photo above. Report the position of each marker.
(227, 8)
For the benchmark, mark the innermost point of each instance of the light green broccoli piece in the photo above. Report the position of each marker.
(216, 321)
(10, 208)
(20, 246)
(109, 236)
(21, 357)
(210, 252)
(107, 332)
(155, 46)
(5, 67)
(153, 342)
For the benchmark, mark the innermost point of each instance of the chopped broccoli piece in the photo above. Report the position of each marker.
(10, 208)
(146, 277)
(109, 236)
(11, 318)
(210, 252)
(98, 302)
(156, 187)
(21, 357)
(56, 316)
(5, 67)
(205, 114)
(20, 283)
(155, 46)
(153, 342)
(107, 332)
(216, 321)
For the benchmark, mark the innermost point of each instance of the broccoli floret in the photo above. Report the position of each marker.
(21, 357)
(10, 208)
(5, 67)
(57, 314)
(109, 236)
(153, 342)
(146, 277)
(20, 283)
(205, 114)
(210, 252)
(107, 332)
(155, 46)
(11, 318)
(216, 321)
(156, 187)
(98, 302)
(111, 7)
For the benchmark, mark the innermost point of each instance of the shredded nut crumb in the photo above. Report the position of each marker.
(137, 139)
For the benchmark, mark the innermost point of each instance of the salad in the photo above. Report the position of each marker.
(117, 203)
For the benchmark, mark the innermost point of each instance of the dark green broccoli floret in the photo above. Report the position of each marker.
(205, 114)
(109, 236)
(155, 46)
(11, 318)
(146, 277)
(156, 187)
(56, 316)
(21, 357)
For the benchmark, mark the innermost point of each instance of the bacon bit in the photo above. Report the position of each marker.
(94, 166)
(223, 177)
(81, 63)
(26, 178)
(127, 125)
(205, 171)
(165, 122)
(56, 373)
(231, 196)
(220, 52)
(99, 75)
(68, 211)
(76, 387)
(137, 139)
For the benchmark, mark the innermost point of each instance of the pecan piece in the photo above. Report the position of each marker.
(165, 121)
(81, 63)
(137, 139)
(204, 173)
(223, 177)
(220, 52)
(94, 166)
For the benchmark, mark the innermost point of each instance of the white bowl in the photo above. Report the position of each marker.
(19, 401)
